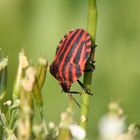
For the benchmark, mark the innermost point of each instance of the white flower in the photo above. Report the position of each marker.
(83, 118)
(8, 103)
(51, 125)
(23, 62)
(111, 126)
(29, 79)
(3, 63)
(77, 131)
(17, 101)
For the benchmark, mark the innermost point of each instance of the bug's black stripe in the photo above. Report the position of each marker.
(88, 47)
(57, 49)
(60, 44)
(89, 40)
(73, 47)
(86, 56)
(87, 34)
(70, 73)
(51, 70)
(69, 55)
(78, 71)
(78, 54)
(66, 45)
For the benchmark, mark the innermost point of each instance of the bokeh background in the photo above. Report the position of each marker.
(38, 26)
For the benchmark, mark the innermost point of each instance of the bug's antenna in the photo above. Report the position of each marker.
(84, 88)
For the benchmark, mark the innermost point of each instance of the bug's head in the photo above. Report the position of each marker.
(65, 86)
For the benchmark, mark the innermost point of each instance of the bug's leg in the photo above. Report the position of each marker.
(71, 97)
(92, 68)
(94, 46)
(91, 62)
(84, 88)
(73, 92)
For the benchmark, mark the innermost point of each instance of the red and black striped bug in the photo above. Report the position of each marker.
(71, 56)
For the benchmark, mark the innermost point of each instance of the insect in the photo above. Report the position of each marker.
(70, 59)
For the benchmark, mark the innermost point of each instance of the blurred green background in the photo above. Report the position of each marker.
(38, 26)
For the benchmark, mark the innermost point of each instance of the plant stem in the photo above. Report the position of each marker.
(91, 27)
(92, 18)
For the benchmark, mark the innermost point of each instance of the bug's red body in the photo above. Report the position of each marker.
(71, 56)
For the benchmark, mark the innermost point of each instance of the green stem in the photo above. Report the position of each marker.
(92, 21)
(11, 119)
(92, 18)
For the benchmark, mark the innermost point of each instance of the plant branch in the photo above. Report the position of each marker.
(91, 27)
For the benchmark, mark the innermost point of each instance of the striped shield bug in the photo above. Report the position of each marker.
(72, 54)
